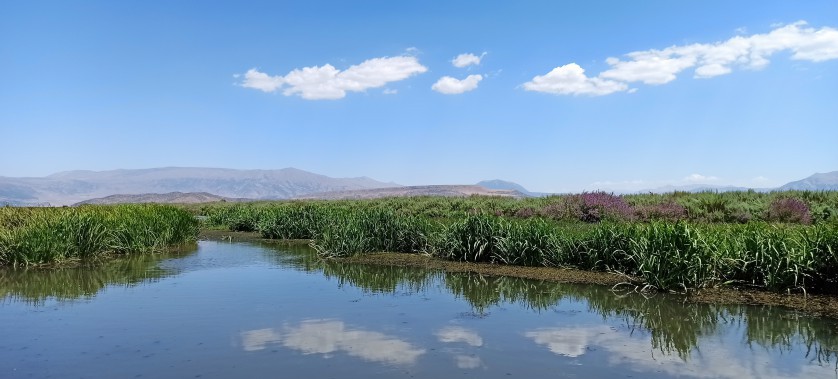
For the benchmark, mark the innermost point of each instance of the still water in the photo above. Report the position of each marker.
(229, 310)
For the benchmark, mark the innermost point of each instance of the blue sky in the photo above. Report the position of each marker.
(673, 92)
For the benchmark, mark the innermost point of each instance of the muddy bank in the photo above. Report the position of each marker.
(817, 305)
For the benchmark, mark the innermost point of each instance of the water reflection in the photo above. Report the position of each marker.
(468, 361)
(36, 286)
(453, 334)
(326, 337)
(546, 324)
(673, 327)
(459, 335)
(715, 360)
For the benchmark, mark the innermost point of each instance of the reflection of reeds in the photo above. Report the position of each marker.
(387, 279)
(69, 283)
(50, 235)
(483, 292)
(775, 329)
(674, 327)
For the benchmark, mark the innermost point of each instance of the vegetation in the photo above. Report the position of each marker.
(678, 241)
(33, 236)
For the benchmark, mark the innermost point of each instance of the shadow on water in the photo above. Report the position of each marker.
(38, 285)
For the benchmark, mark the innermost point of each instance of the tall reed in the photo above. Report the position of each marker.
(31, 236)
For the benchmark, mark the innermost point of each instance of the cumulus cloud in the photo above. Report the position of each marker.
(467, 59)
(328, 82)
(570, 79)
(656, 67)
(261, 81)
(698, 178)
(454, 86)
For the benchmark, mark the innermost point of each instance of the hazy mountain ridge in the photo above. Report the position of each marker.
(75, 186)
(432, 190)
(827, 181)
(161, 198)
(158, 185)
(498, 184)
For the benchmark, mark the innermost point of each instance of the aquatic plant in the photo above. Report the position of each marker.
(677, 241)
(51, 235)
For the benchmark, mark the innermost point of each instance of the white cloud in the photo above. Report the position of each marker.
(327, 82)
(656, 67)
(390, 91)
(329, 336)
(467, 59)
(570, 79)
(698, 178)
(261, 81)
(454, 86)
(568, 342)
(452, 334)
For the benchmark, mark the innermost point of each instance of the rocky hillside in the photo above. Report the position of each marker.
(161, 198)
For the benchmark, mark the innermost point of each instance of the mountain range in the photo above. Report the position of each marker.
(189, 184)
(74, 186)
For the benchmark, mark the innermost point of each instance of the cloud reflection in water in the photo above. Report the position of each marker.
(716, 360)
(330, 336)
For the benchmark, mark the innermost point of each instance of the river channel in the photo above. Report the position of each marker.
(227, 310)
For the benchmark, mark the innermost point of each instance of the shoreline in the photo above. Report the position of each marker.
(814, 305)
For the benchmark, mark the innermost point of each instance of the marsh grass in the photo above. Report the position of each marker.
(38, 236)
(676, 242)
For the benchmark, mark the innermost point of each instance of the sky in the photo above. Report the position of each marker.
(559, 96)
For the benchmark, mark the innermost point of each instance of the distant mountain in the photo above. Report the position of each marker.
(817, 182)
(75, 186)
(497, 184)
(161, 198)
(439, 190)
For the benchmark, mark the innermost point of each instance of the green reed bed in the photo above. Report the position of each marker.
(668, 256)
(799, 207)
(673, 247)
(34, 236)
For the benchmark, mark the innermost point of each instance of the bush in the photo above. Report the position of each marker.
(789, 210)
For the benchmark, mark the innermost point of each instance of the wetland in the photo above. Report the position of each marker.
(227, 309)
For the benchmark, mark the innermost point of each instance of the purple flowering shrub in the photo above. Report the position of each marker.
(589, 207)
(789, 210)
(669, 211)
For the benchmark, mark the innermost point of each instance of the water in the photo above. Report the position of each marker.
(239, 310)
